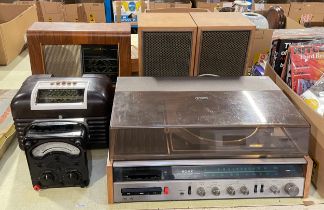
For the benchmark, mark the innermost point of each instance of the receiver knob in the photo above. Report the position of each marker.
(201, 191)
(244, 190)
(215, 191)
(291, 189)
(274, 189)
(230, 190)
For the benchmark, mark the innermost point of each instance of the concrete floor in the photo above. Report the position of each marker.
(16, 190)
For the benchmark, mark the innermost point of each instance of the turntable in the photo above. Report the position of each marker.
(205, 138)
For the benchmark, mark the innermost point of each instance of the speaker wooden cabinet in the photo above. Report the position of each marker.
(223, 43)
(48, 33)
(182, 44)
(167, 44)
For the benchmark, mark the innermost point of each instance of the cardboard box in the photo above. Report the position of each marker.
(57, 11)
(7, 1)
(262, 41)
(92, 13)
(316, 150)
(50, 11)
(91, 1)
(71, 12)
(25, 2)
(14, 22)
(180, 5)
(298, 9)
(264, 7)
(6, 139)
(32, 2)
(210, 6)
(160, 5)
(314, 24)
(153, 5)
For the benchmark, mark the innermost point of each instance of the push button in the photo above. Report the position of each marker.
(166, 190)
(255, 188)
(189, 190)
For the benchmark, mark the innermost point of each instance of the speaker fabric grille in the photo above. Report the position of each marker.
(223, 53)
(166, 53)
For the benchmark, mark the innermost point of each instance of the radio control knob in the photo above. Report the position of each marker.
(78, 142)
(47, 179)
(215, 191)
(27, 144)
(201, 191)
(230, 190)
(291, 189)
(274, 189)
(244, 190)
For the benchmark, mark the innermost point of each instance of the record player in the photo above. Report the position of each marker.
(205, 138)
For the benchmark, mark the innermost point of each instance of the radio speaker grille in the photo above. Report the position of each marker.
(223, 53)
(166, 53)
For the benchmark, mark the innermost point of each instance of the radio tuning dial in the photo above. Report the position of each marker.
(244, 190)
(215, 191)
(291, 189)
(230, 190)
(201, 191)
(274, 189)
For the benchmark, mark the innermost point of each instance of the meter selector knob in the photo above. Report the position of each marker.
(47, 179)
(215, 191)
(274, 189)
(201, 191)
(291, 189)
(72, 178)
(230, 190)
(244, 190)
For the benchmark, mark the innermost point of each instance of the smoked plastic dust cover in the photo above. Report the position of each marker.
(206, 117)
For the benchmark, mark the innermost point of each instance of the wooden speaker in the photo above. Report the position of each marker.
(167, 44)
(223, 43)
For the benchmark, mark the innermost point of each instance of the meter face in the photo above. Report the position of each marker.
(43, 149)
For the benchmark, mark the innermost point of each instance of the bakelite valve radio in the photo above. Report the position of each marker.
(57, 121)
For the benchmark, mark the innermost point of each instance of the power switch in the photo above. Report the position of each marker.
(166, 190)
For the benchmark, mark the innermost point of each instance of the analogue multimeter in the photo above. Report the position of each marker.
(56, 153)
